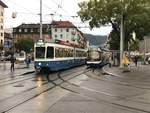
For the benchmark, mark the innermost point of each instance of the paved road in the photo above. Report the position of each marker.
(83, 91)
(19, 69)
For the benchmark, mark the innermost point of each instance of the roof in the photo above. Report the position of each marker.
(34, 26)
(2, 4)
(62, 24)
(55, 24)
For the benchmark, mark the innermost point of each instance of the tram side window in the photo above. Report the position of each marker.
(58, 52)
(65, 52)
(71, 53)
(50, 52)
(40, 52)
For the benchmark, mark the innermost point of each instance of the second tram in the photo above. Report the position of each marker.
(94, 55)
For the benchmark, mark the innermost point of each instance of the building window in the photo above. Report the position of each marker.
(55, 30)
(55, 36)
(1, 27)
(67, 30)
(61, 36)
(25, 30)
(1, 34)
(20, 30)
(31, 30)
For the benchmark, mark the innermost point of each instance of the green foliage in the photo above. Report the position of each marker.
(113, 41)
(134, 45)
(136, 14)
(25, 44)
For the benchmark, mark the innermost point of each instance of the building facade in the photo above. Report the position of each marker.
(8, 39)
(63, 32)
(66, 33)
(32, 31)
(2, 6)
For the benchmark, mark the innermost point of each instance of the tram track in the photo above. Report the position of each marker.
(45, 87)
(13, 79)
(119, 82)
(98, 99)
(16, 79)
(55, 83)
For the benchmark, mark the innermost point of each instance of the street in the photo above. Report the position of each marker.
(77, 90)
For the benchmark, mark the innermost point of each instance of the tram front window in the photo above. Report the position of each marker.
(40, 52)
(50, 52)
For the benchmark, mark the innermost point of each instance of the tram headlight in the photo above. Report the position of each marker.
(39, 63)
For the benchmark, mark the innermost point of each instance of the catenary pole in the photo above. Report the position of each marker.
(122, 34)
(121, 40)
(40, 19)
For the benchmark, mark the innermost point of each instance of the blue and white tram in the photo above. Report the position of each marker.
(98, 57)
(94, 55)
(56, 57)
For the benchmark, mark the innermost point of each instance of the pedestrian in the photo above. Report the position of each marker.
(12, 61)
(136, 60)
(28, 61)
(125, 62)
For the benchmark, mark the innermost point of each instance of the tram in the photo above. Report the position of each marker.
(94, 55)
(56, 57)
(97, 57)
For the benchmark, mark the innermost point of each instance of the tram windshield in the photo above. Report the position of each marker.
(50, 52)
(94, 55)
(40, 52)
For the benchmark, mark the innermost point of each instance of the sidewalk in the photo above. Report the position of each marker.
(140, 70)
(19, 69)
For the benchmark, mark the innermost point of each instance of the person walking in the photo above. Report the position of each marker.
(12, 61)
(126, 62)
(136, 60)
(28, 61)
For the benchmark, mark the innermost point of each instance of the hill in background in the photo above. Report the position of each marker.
(95, 40)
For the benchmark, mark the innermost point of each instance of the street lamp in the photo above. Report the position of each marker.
(14, 15)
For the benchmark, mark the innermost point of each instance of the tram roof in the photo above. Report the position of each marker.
(43, 44)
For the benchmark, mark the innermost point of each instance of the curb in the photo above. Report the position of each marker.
(109, 73)
(27, 73)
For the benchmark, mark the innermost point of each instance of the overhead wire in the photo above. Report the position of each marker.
(60, 6)
(18, 5)
(73, 16)
(54, 12)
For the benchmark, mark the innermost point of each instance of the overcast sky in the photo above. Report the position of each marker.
(28, 10)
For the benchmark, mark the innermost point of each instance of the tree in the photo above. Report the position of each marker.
(25, 44)
(136, 15)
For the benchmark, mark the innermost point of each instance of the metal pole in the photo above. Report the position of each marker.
(40, 19)
(14, 15)
(121, 40)
(144, 50)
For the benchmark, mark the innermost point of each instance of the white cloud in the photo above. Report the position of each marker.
(28, 10)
